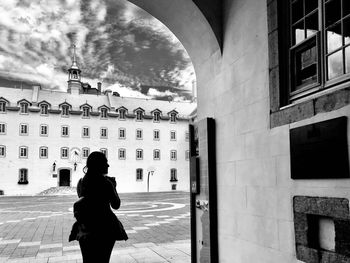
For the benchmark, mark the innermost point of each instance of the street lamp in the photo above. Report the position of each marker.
(54, 166)
(75, 166)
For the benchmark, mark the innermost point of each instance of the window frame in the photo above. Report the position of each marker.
(173, 175)
(25, 148)
(3, 106)
(104, 112)
(121, 150)
(41, 156)
(2, 149)
(62, 133)
(173, 117)
(61, 152)
(25, 106)
(187, 155)
(106, 133)
(122, 137)
(83, 152)
(3, 124)
(122, 114)
(171, 155)
(139, 115)
(172, 132)
(83, 129)
(41, 129)
(155, 151)
(104, 151)
(26, 133)
(65, 111)
(86, 112)
(154, 137)
(141, 153)
(139, 173)
(23, 178)
(156, 116)
(136, 134)
(44, 109)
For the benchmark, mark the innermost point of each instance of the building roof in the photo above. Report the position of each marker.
(55, 98)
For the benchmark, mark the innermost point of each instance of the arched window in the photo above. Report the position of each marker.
(86, 112)
(173, 117)
(156, 116)
(103, 113)
(65, 111)
(122, 114)
(173, 175)
(139, 174)
(23, 107)
(44, 109)
(23, 176)
(139, 115)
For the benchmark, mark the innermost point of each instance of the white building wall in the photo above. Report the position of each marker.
(40, 173)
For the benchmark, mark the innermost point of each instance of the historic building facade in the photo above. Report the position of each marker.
(46, 136)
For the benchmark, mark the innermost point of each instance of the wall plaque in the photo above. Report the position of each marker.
(320, 150)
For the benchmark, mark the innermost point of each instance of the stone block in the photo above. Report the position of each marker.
(274, 85)
(272, 17)
(262, 201)
(333, 101)
(273, 49)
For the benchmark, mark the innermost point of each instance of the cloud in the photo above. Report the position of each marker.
(117, 43)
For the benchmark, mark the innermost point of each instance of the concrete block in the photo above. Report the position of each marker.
(262, 201)
(257, 172)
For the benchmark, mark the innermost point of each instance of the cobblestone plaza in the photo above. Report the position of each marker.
(36, 229)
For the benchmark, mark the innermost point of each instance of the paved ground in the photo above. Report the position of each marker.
(36, 229)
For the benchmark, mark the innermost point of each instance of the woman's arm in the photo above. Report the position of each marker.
(113, 195)
(79, 188)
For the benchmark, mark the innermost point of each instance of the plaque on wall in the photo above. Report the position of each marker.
(320, 150)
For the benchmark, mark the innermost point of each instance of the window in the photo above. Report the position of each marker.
(156, 116)
(44, 109)
(23, 152)
(139, 154)
(122, 154)
(43, 130)
(86, 152)
(139, 174)
(139, 134)
(2, 106)
(103, 113)
(156, 154)
(23, 129)
(43, 152)
(65, 111)
(173, 117)
(319, 45)
(104, 151)
(2, 151)
(139, 115)
(64, 131)
(2, 128)
(173, 175)
(85, 132)
(64, 152)
(86, 112)
(173, 155)
(23, 176)
(173, 135)
(187, 155)
(156, 135)
(104, 133)
(187, 136)
(122, 133)
(23, 108)
(121, 114)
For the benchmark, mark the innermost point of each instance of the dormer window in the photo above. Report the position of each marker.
(122, 114)
(44, 109)
(139, 115)
(2, 106)
(86, 112)
(173, 117)
(103, 113)
(65, 111)
(23, 108)
(156, 116)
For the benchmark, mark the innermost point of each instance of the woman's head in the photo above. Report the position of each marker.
(97, 163)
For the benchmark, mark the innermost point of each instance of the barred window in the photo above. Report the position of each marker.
(122, 154)
(43, 152)
(139, 154)
(86, 152)
(23, 152)
(2, 151)
(139, 134)
(64, 152)
(139, 174)
(2, 128)
(64, 131)
(156, 154)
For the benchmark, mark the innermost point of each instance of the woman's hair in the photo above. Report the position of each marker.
(94, 161)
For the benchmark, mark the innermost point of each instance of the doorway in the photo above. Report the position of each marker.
(64, 177)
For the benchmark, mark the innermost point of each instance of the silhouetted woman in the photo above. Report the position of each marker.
(95, 224)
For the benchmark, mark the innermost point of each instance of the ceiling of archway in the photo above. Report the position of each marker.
(117, 43)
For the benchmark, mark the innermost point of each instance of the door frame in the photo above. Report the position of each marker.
(59, 175)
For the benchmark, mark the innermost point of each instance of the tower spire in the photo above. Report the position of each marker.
(74, 58)
(74, 73)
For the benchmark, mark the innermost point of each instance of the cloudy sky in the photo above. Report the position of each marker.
(118, 44)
